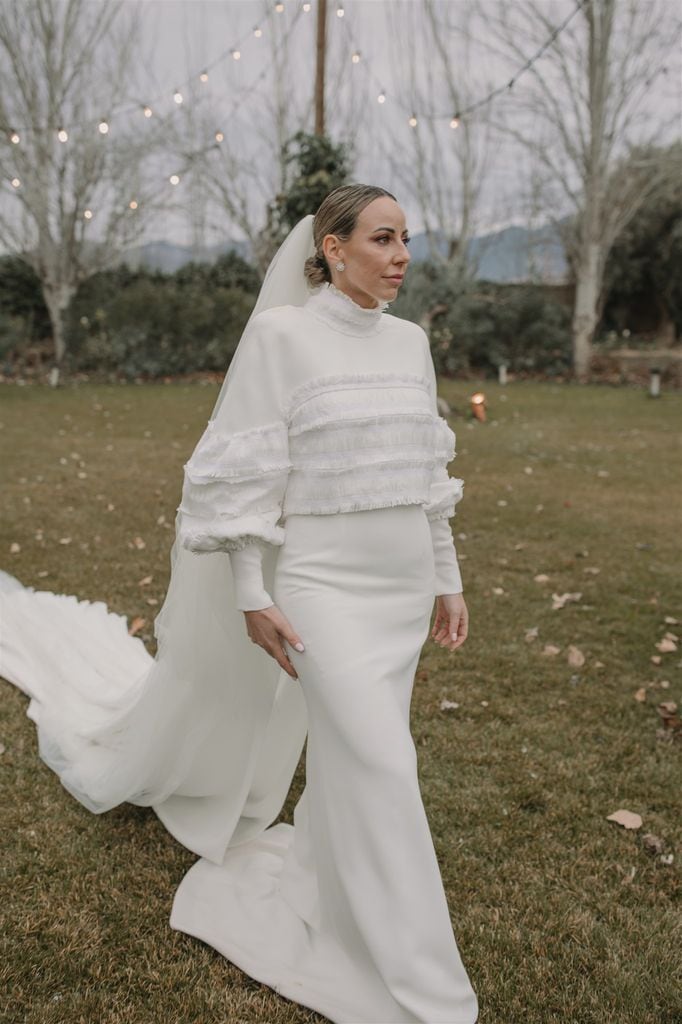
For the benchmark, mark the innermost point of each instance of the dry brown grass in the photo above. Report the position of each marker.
(561, 916)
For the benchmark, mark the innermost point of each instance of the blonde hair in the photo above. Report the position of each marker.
(337, 215)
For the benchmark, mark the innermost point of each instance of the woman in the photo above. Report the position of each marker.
(322, 475)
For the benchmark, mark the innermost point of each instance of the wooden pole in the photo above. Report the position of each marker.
(319, 71)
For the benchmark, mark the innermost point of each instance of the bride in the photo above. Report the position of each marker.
(312, 539)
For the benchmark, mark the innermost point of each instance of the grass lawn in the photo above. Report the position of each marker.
(561, 916)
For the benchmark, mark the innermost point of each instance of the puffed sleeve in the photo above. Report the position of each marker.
(235, 480)
(445, 491)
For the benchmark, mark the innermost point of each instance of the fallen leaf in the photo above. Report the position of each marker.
(652, 843)
(498, 590)
(628, 819)
(656, 659)
(640, 694)
(531, 634)
(575, 657)
(541, 578)
(551, 650)
(666, 645)
(667, 708)
(445, 705)
(484, 703)
(139, 543)
(559, 600)
(145, 581)
(64, 540)
(592, 569)
(152, 600)
(14, 548)
(667, 859)
(670, 620)
(161, 520)
(599, 664)
(136, 625)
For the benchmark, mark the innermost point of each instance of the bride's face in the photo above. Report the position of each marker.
(375, 255)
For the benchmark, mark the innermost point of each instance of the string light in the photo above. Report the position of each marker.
(279, 8)
(174, 179)
(454, 123)
(87, 214)
(356, 58)
(15, 138)
(147, 111)
(412, 122)
(16, 182)
(133, 204)
(381, 98)
(236, 54)
(203, 77)
(62, 135)
(258, 32)
(340, 11)
(306, 7)
(219, 136)
(103, 128)
(177, 96)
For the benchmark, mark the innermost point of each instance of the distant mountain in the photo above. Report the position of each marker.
(510, 255)
(169, 257)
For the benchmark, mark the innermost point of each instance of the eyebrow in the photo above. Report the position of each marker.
(392, 230)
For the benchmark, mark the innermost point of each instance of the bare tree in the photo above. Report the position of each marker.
(448, 170)
(76, 192)
(589, 107)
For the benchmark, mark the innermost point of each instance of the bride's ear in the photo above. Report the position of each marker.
(331, 249)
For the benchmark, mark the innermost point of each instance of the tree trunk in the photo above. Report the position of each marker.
(585, 309)
(58, 300)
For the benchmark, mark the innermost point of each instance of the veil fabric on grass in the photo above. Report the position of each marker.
(210, 730)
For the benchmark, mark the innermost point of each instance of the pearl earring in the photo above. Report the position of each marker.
(340, 265)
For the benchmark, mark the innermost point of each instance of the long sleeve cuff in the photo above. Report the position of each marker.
(448, 576)
(247, 572)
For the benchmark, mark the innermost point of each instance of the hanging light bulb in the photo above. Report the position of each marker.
(62, 135)
(258, 32)
(219, 137)
(340, 11)
(15, 182)
(177, 96)
(455, 122)
(356, 58)
(133, 204)
(306, 7)
(236, 54)
(15, 138)
(147, 111)
(174, 179)
(87, 214)
(203, 77)
(412, 122)
(381, 98)
(103, 127)
(279, 7)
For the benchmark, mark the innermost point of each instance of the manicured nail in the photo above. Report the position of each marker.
(299, 646)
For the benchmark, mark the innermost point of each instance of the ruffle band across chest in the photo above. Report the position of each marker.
(361, 441)
(347, 442)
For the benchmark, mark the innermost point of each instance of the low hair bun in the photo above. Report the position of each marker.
(316, 271)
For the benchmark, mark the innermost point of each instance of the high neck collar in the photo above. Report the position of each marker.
(333, 307)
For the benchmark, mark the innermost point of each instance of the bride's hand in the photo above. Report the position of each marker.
(268, 628)
(451, 625)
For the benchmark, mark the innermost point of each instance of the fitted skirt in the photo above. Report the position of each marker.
(344, 910)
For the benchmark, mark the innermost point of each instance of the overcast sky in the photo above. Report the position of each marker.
(181, 38)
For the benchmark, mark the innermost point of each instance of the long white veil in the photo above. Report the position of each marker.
(210, 730)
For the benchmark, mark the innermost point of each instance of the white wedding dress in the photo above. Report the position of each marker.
(325, 484)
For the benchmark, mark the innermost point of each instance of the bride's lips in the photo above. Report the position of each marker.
(396, 278)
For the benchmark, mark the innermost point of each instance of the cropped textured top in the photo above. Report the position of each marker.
(329, 407)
